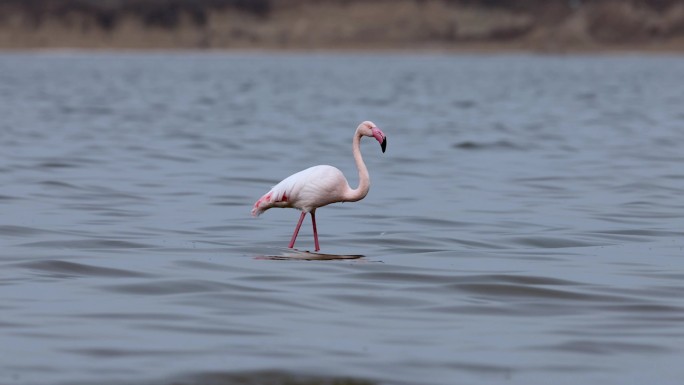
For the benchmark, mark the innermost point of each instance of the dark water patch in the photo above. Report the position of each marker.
(116, 213)
(272, 278)
(570, 368)
(21, 231)
(408, 159)
(206, 330)
(646, 186)
(549, 189)
(56, 165)
(605, 347)
(44, 369)
(60, 268)
(628, 220)
(542, 309)
(180, 194)
(111, 353)
(396, 240)
(481, 145)
(59, 184)
(644, 232)
(150, 185)
(244, 304)
(661, 274)
(227, 228)
(464, 104)
(551, 243)
(149, 231)
(637, 203)
(103, 192)
(478, 244)
(413, 250)
(211, 266)
(549, 178)
(647, 215)
(42, 335)
(88, 244)
(379, 300)
(10, 325)
(266, 183)
(180, 287)
(482, 369)
(105, 211)
(659, 290)
(432, 221)
(229, 203)
(266, 377)
(401, 277)
(518, 279)
(138, 316)
(494, 291)
(617, 238)
(557, 256)
(90, 193)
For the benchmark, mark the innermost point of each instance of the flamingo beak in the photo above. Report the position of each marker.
(380, 137)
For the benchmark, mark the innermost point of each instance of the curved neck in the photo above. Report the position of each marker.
(360, 192)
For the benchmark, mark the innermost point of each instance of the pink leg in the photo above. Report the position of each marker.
(313, 220)
(299, 224)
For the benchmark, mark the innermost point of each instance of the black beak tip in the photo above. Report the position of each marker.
(383, 145)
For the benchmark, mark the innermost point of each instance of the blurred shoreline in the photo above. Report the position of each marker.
(484, 26)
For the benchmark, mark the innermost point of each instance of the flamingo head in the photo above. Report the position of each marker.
(369, 128)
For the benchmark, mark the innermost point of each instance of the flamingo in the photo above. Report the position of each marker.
(321, 185)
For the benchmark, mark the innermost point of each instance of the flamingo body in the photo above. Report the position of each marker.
(306, 190)
(320, 186)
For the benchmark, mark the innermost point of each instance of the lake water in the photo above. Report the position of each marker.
(525, 226)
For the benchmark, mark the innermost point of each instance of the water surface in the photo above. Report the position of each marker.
(524, 226)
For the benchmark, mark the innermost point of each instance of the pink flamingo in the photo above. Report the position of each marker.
(319, 186)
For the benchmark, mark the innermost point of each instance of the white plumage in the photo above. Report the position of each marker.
(306, 190)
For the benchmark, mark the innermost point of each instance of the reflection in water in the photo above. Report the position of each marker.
(527, 220)
(303, 255)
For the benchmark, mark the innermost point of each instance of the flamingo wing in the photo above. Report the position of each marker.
(306, 190)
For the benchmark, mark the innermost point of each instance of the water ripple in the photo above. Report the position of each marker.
(65, 269)
(87, 244)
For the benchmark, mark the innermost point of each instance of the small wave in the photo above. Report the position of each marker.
(59, 184)
(496, 145)
(604, 347)
(552, 243)
(644, 232)
(266, 377)
(88, 244)
(501, 290)
(113, 353)
(179, 287)
(56, 164)
(59, 267)
(21, 231)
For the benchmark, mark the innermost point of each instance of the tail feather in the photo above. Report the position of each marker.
(279, 196)
(264, 203)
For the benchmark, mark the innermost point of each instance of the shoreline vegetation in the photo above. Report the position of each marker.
(554, 26)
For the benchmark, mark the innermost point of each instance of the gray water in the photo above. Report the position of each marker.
(525, 225)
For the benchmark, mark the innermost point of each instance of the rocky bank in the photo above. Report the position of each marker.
(552, 25)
